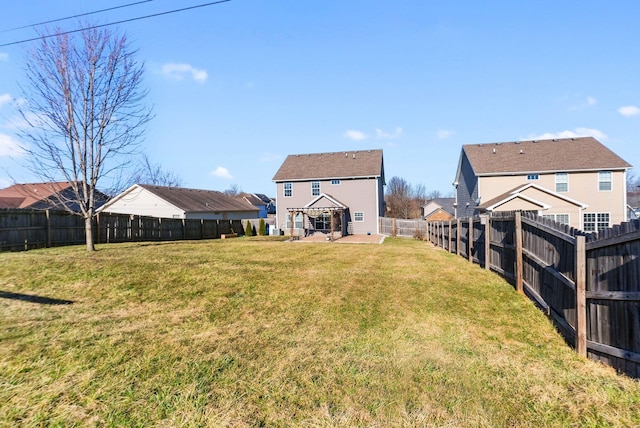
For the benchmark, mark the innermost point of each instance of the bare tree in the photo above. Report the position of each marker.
(85, 112)
(399, 198)
(153, 173)
(233, 190)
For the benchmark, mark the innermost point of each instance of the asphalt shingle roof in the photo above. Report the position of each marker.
(361, 163)
(564, 154)
(197, 200)
(25, 195)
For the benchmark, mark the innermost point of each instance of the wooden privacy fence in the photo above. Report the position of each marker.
(403, 227)
(588, 284)
(28, 229)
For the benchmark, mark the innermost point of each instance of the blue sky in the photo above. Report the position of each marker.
(238, 86)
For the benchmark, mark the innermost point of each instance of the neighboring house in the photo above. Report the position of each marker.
(576, 181)
(339, 191)
(633, 204)
(262, 202)
(271, 204)
(439, 209)
(41, 196)
(177, 202)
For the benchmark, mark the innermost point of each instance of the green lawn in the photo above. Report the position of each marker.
(258, 332)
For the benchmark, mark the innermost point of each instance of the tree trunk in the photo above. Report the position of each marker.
(88, 231)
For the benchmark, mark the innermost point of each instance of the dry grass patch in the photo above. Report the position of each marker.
(250, 332)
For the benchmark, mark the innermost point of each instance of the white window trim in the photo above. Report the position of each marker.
(610, 181)
(566, 176)
(355, 215)
(284, 189)
(335, 182)
(312, 188)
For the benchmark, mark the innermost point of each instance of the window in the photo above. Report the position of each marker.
(323, 221)
(595, 222)
(533, 177)
(335, 181)
(315, 188)
(562, 182)
(604, 181)
(358, 216)
(297, 221)
(560, 218)
(288, 190)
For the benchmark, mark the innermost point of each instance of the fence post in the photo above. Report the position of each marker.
(449, 247)
(487, 242)
(518, 237)
(470, 239)
(581, 300)
(458, 224)
(48, 244)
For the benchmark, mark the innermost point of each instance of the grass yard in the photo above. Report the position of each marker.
(258, 332)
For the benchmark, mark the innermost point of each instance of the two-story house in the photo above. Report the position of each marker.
(575, 181)
(337, 192)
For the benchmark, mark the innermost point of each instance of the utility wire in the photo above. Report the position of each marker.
(75, 16)
(114, 23)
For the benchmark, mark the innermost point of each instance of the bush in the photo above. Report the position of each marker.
(417, 234)
(248, 231)
(262, 228)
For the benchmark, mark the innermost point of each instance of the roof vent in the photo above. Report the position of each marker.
(517, 142)
(346, 155)
(354, 155)
(494, 151)
(521, 152)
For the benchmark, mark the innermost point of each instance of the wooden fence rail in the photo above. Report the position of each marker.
(22, 230)
(588, 284)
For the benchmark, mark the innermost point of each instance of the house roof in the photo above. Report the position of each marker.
(252, 199)
(197, 200)
(565, 154)
(28, 194)
(517, 192)
(337, 165)
(446, 204)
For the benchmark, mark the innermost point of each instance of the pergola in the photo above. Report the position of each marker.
(315, 212)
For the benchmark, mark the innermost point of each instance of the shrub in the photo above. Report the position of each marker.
(248, 231)
(262, 228)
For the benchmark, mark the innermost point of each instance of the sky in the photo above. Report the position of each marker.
(237, 86)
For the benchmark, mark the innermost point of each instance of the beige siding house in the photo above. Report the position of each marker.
(177, 202)
(576, 181)
(341, 192)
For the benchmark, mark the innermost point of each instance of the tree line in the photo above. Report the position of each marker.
(404, 200)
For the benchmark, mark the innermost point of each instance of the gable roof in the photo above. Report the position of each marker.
(28, 194)
(336, 165)
(251, 199)
(565, 154)
(190, 200)
(517, 192)
(446, 204)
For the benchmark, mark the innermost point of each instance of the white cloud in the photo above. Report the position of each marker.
(180, 71)
(221, 172)
(5, 99)
(381, 134)
(9, 146)
(629, 111)
(4, 56)
(355, 135)
(443, 134)
(591, 101)
(578, 132)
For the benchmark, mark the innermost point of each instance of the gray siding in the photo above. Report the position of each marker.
(467, 191)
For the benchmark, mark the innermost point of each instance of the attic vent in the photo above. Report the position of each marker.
(521, 152)
(346, 155)
(494, 151)
(354, 155)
